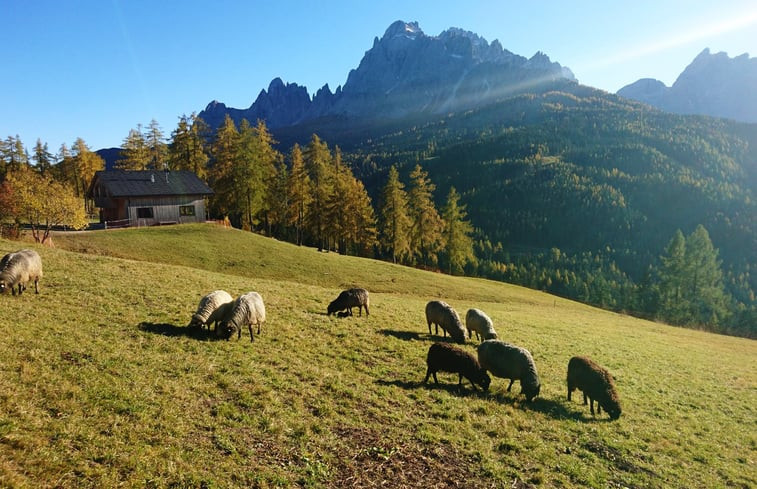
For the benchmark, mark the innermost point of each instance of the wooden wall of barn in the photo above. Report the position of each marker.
(165, 210)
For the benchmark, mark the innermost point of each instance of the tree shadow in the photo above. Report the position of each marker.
(167, 329)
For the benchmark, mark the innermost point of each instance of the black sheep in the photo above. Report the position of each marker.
(449, 358)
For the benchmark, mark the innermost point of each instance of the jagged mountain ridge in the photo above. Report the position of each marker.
(405, 72)
(713, 84)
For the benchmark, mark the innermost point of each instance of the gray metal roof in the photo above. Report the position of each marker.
(141, 183)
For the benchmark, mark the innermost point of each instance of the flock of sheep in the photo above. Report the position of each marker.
(508, 361)
(501, 359)
(504, 360)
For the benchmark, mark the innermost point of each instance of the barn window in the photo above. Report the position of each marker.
(186, 210)
(144, 212)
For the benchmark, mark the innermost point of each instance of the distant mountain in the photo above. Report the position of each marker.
(110, 156)
(406, 72)
(713, 84)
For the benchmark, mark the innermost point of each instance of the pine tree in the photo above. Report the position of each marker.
(691, 281)
(457, 232)
(395, 222)
(704, 286)
(426, 237)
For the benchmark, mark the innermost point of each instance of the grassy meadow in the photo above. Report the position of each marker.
(103, 385)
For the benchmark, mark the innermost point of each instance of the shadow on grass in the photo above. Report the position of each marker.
(167, 329)
(556, 409)
(450, 387)
(414, 335)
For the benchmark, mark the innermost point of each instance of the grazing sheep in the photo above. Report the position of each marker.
(449, 358)
(442, 314)
(209, 304)
(477, 320)
(596, 383)
(18, 269)
(348, 299)
(510, 362)
(246, 310)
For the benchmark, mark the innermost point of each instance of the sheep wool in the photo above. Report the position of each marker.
(19, 268)
(246, 310)
(477, 320)
(348, 299)
(596, 383)
(510, 362)
(208, 305)
(442, 314)
(449, 358)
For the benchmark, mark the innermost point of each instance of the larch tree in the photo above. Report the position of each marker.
(457, 234)
(317, 158)
(135, 154)
(43, 158)
(87, 163)
(224, 152)
(395, 222)
(157, 149)
(672, 276)
(253, 172)
(298, 194)
(187, 149)
(427, 229)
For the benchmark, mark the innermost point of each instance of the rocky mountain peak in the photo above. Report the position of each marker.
(712, 84)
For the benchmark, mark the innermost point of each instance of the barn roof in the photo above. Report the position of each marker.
(143, 183)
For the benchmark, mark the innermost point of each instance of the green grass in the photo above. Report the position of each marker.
(102, 385)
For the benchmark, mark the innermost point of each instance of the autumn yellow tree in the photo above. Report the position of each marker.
(44, 203)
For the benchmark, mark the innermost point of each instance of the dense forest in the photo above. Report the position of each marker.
(570, 190)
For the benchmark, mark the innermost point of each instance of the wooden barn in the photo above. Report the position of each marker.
(148, 197)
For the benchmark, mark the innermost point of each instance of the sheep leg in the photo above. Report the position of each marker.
(259, 327)
(585, 397)
(249, 326)
(429, 327)
(570, 391)
(511, 384)
(366, 310)
(360, 311)
(36, 286)
(591, 406)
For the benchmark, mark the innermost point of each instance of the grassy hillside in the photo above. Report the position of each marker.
(102, 385)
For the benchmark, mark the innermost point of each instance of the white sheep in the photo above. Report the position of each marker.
(442, 314)
(510, 362)
(18, 269)
(246, 310)
(208, 307)
(477, 320)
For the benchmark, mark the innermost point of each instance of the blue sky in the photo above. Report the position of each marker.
(96, 69)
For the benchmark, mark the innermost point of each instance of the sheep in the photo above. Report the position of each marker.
(596, 383)
(442, 314)
(246, 310)
(206, 309)
(510, 362)
(348, 299)
(18, 269)
(477, 320)
(449, 358)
